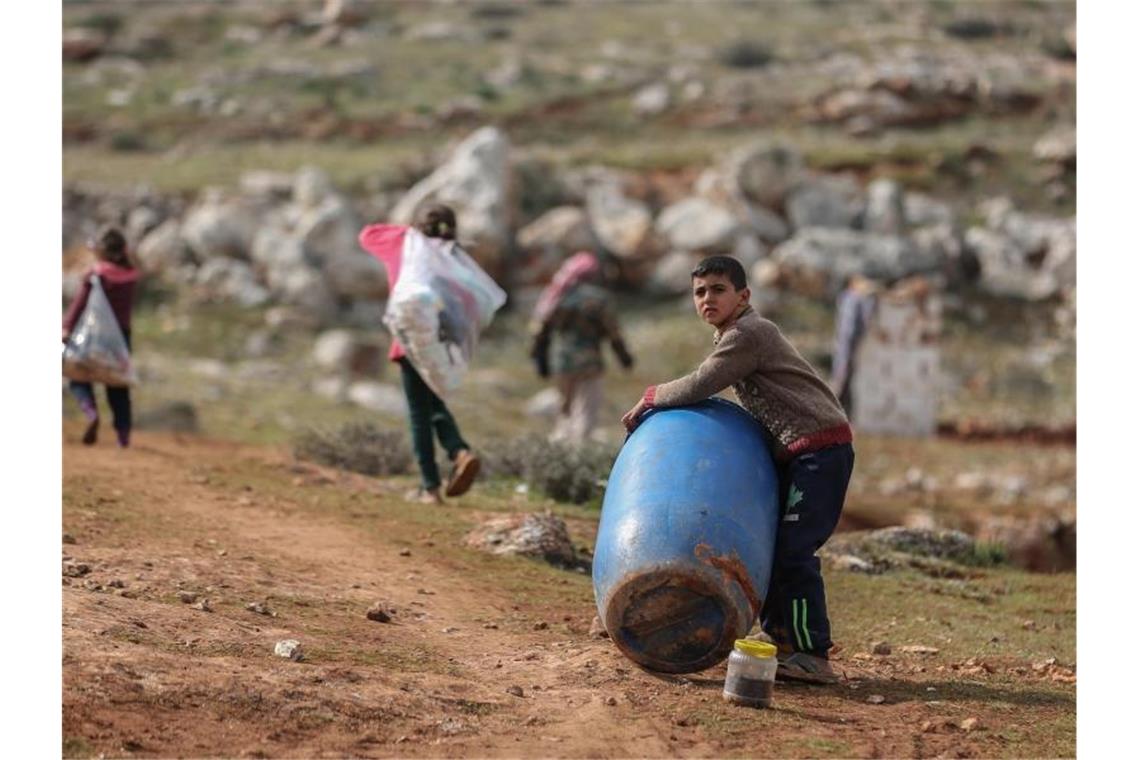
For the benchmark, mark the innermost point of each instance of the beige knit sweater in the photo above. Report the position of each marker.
(771, 380)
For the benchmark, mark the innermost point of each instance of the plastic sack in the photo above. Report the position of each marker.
(96, 351)
(441, 302)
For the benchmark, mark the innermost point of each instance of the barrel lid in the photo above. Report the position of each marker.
(755, 648)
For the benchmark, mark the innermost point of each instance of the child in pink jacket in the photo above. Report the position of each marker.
(428, 416)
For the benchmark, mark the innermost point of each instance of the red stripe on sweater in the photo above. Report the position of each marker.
(821, 439)
(650, 394)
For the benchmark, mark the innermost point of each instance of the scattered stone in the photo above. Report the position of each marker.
(76, 569)
(491, 626)
(610, 701)
(881, 647)
(289, 649)
(425, 592)
(449, 629)
(541, 625)
(532, 721)
(1029, 625)
(68, 538)
(378, 613)
(405, 552)
(876, 699)
(204, 605)
(530, 535)
(970, 724)
(261, 609)
(918, 649)
(116, 583)
(92, 585)
(515, 690)
(187, 597)
(597, 630)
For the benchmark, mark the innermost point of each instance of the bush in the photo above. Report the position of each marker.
(561, 471)
(358, 447)
(746, 54)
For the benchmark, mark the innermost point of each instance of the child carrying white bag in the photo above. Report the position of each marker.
(440, 301)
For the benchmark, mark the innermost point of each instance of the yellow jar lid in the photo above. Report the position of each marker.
(755, 648)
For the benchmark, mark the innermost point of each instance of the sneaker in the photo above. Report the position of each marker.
(462, 473)
(801, 666)
(424, 496)
(91, 434)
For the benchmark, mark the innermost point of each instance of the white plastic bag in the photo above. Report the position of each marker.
(441, 302)
(96, 351)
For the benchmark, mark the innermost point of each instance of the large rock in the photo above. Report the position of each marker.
(548, 240)
(276, 253)
(1058, 146)
(817, 260)
(623, 224)
(345, 352)
(163, 251)
(81, 44)
(307, 290)
(697, 224)
(826, 202)
(475, 181)
(543, 536)
(218, 226)
(886, 211)
(921, 210)
(671, 275)
(764, 173)
(651, 100)
(1004, 269)
(328, 233)
(722, 190)
(231, 280)
(378, 397)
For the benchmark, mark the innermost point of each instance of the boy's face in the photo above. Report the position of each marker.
(717, 299)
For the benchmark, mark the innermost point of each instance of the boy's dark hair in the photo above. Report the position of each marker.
(111, 245)
(723, 265)
(438, 221)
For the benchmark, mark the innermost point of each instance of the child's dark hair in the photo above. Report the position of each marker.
(723, 265)
(438, 221)
(111, 245)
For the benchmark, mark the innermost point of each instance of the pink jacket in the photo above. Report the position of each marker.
(386, 242)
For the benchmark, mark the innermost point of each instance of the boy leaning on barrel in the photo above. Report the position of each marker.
(810, 440)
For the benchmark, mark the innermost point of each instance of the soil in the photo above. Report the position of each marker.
(472, 662)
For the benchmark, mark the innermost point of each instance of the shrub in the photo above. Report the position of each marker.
(562, 471)
(127, 142)
(356, 446)
(746, 54)
(986, 554)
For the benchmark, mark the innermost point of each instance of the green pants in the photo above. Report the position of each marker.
(428, 414)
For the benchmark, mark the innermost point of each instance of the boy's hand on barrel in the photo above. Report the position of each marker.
(631, 418)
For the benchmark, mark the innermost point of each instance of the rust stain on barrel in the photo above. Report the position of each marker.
(733, 568)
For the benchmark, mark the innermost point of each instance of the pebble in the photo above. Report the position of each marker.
(918, 649)
(876, 699)
(515, 690)
(541, 625)
(289, 649)
(260, 608)
(76, 569)
(970, 724)
(116, 583)
(598, 630)
(378, 613)
(490, 626)
(405, 552)
(881, 647)
(204, 605)
(449, 629)
(610, 701)
(68, 538)
(425, 592)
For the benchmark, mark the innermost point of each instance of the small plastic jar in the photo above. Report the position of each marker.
(751, 677)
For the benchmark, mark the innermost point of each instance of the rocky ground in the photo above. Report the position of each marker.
(187, 561)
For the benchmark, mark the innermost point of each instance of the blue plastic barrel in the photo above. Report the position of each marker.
(685, 542)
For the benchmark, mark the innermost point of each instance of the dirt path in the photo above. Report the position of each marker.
(146, 673)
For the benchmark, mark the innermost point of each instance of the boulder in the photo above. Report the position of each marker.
(345, 352)
(543, 536)
(1004, 269)
(163, 250)
(548, 240)
(217, 226)
(231, 280)
(920, 210)
(81, 44)
(306, 290)
(764, 173)
(622, 224)
(886, 212)
(817, 260)
(328, 234)
(826, 201)
(697, 224)
(275, 253)
(1058, 146)
(378, 397)
(651, 100)
(475, 181)
(671, 275)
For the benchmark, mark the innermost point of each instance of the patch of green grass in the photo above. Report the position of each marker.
(77, 746)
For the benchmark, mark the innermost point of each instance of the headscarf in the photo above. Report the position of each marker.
(581, 266)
